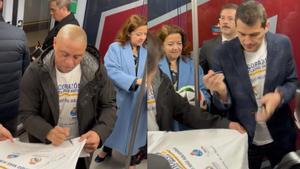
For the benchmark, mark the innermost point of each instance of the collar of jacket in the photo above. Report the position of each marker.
(159, 79)
(66, 19)
(89, 66)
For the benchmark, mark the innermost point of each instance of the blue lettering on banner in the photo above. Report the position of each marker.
(20, 167)
(11, 164)
(2, 161)
(186, 161)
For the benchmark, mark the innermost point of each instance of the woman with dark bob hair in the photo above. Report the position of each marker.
(165, 104)
(178, 65)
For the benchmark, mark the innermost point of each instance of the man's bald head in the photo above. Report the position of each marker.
(69, 47)
(72, 32)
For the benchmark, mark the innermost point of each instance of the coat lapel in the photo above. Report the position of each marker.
(142, 61)
(51, 94)
(129, 59)
(164, 66)
(271, 51)
(242, 69)
(185, 73)
(218, 41)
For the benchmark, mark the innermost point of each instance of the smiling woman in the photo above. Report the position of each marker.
(178, 65)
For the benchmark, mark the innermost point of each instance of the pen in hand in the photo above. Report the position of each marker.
(70, 140)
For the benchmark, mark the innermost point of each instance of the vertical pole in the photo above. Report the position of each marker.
(136, 117)
(7, 12)
(195, 53)
(20, 13)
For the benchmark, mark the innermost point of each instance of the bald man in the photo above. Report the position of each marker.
(66, 94)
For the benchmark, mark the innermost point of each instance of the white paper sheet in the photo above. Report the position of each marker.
(201, 149)
(20, 155)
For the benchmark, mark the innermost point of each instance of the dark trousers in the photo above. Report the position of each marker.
(274, 152)
(10, 125)
(107, 150)
(135, 159)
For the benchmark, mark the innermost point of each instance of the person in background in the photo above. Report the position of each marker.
(125, 62)
(59, 10)
(14, 59)
(66, 94)
(258, 81)
(178, 65)
(228, 32)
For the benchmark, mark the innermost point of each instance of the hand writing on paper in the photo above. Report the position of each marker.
(58, 135)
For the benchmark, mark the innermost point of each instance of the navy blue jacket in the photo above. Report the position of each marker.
(14, 58)
(280, 74)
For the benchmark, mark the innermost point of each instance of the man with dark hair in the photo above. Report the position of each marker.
(14, 58)
(228, 32)
(257, 83)
(59, 10)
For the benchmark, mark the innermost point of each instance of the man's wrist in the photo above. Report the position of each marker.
(280, 93)
(223, 94)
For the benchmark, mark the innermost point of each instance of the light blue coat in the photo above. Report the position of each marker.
(119, 63)
(186, 74)
(186, 77)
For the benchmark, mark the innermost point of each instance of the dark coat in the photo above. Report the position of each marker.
(39, 108)
(170, 105)
(14, 58)
(280, 74)
(206, 58)
(70, 19)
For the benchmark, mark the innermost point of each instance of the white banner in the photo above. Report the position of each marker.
(20, 155)
(201, 149)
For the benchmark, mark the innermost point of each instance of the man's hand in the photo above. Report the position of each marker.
(269, 104)
(92, 141)
(262, 115)
(5, 134)
(58, 135)
(236, 126)
(215, 82)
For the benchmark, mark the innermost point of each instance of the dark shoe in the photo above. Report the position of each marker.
(140, 156)
(99, 159)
